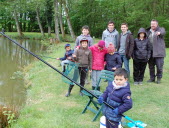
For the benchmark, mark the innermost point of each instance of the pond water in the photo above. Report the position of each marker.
(12, 60)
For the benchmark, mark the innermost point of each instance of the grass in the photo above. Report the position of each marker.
(48, 107)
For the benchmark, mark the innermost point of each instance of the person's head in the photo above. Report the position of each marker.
(111, 49)
(120, 76)
(84, 43)
(85, 30)
(110, 26)
(142, 33)
(101, 44)
(124, 27)
(67, 47)
(154, 24)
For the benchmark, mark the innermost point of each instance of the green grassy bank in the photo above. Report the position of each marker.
(47, 107)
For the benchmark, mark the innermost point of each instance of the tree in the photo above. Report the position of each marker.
(56, 20)
(68, 19)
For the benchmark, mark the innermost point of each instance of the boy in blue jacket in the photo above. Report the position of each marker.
(113, 59)
(67, 57)
(118, 95)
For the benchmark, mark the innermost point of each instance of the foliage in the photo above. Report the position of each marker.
(95, 13)
(8, 115)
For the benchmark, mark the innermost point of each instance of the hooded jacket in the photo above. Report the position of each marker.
(158, 45)
(128, 46)
(142, 48)
(84, 57)
(97, 57)
(109, 37)
(113, 61)
(79, 38)
(118, 98)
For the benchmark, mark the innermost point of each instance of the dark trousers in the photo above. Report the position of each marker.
(159, 62)
(82, 73)
(139, 70)
(111, 124)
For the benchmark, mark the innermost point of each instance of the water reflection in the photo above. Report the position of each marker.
(12, 59)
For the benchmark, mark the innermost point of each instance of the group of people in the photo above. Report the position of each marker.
(109, 54)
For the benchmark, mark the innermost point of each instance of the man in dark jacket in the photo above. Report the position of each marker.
(125, 46)
(156, 37)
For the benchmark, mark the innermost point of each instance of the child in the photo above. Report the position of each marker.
(98, 53)
(67, 57)
(85, 34)
(113, 59)
(141, 55)
(83, 56)
(118, 95)
(110, 34)
(125, 46)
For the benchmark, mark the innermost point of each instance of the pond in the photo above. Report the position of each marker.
(12, 61)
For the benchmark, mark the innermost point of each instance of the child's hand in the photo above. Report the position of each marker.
(90, 70)
(100, 99)
(114, 68)
(69, 58)
(73, 55)
(57, 58)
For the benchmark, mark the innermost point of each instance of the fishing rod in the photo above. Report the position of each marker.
(138, 124)
(46, 57)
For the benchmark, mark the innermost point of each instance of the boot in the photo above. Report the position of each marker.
(158, 80)
(93, 88)
(98, 88)
(151, 80)
(69, 90)
(81, 94)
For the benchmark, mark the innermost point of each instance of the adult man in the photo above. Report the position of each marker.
(110, 35)
(156, 37)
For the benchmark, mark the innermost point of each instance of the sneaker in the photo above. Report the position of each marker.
(150, 80)
(140, 83)
(136, 83)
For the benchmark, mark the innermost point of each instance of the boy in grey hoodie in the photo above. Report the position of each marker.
(85, 34)
(110, 35)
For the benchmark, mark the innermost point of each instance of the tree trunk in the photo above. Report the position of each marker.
(49, 30)
(68, 20)
(60, 21)
(17, 24)
(39, 22)
(56, 20)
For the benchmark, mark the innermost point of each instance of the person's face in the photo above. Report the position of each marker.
(85, 32)
(84, 44)
(142, 35)
(110, 27)
(68, 48)
(120, 80)
(154, 25)
(124, 28)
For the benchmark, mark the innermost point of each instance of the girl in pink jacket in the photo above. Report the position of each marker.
(98, 52)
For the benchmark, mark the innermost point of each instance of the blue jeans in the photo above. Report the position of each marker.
(95, 77)
(125, 62)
